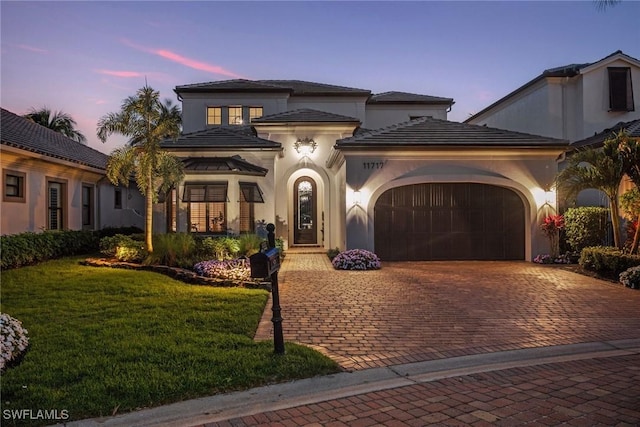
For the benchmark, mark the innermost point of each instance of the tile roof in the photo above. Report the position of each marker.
(223, 165)
(570, 70)
(407, 98)
(430, 132)
(597, 140)
(293, 87)
(16, 131)
(221, 137)
(305, 115)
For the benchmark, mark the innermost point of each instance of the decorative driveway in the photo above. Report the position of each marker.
(417, 311)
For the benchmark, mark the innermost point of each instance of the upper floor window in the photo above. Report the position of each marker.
(214, 115)
(620, 89)
(254, 113)
(13, 186)
(235, 115)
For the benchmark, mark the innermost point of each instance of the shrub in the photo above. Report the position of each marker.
(631, 278)
(112, 231)
(249, 244)
(585, 226)
(332, 253)
(123, 248)
(235, 269)
(29, 248)
(14, 340)
(607, 260)
(173, 249)
(356, 259)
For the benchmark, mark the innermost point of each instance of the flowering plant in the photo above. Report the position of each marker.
(356, 259)
(233, 269)
(543, 259)
(631, 277)
(13, 340)
(551, 227)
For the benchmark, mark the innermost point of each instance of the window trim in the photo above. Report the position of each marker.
(210, 191)
(615, 95)
(235, 107)
(21, 185)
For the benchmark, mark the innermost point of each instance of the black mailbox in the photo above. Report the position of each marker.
(263, 264)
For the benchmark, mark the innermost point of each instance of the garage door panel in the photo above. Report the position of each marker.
(447, 221)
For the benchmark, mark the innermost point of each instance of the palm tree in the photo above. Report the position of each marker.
(57, 121)
(629, 152)
(601, 169)
(146, 121)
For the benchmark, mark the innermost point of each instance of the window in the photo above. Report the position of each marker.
(214, 115)
(254, 113)
(249, 195)
(13, 186)
(620, 89)
(117, 198)
(56, 201)
(235, 115)
(87, 207)
(207, 207)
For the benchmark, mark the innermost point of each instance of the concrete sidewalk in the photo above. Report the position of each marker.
(245, 408)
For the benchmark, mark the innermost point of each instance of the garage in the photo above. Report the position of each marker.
(449, 221)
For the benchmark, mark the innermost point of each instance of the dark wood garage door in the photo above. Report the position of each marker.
(449, 221)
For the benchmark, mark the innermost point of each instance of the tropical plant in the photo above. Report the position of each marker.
(551, 226)
(585, 226)
(57, 121)
(630, 204)
(629, 152)
(146, 121)
(601, 169)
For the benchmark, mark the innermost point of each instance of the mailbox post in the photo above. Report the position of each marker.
(264, 264)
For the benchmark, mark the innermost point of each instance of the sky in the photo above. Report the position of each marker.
(86, 57)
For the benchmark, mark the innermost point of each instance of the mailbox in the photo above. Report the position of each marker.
(264, 264)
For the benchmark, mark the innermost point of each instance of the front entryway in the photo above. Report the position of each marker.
(449, 221)
(305, 211)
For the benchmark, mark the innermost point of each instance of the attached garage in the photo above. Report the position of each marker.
(449, 221)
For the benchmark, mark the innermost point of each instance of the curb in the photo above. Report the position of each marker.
(345, 384)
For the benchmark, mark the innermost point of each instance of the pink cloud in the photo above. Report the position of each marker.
(187, 62)
(124, 74)
(32, 48)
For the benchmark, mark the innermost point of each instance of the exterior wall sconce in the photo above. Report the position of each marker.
(357, 197)
(305, 146)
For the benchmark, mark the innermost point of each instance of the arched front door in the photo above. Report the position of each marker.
(304, 211)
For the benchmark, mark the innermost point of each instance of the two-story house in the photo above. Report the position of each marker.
(334, 166)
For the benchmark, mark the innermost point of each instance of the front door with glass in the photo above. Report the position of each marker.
(305, 221)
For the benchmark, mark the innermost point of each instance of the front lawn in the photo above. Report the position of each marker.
(105, 341)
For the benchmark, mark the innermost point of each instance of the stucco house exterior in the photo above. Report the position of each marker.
(333, 166)
(51, 182)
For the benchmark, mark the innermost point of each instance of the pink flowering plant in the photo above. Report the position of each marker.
(356, 259)
(233, 269)
(13, 340)
(551, 226)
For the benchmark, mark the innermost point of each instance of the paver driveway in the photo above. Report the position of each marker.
(417, 311)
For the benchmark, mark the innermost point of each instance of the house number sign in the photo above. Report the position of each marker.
(373, 165)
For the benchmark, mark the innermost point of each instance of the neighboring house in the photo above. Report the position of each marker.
(51, 182)
(333, 166)
(571, 102)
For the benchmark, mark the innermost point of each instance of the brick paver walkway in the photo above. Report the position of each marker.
(415, 311)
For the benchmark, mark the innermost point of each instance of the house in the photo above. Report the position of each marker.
(582, 103)
(571, 102)
(51, 182)
(334, 166)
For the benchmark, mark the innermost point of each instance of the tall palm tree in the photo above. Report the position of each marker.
(629, 152)
(58, 121)
(146, 121)
(601, 169)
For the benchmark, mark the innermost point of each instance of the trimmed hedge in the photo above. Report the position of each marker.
(30, 248)
(585, 226)
(607, 260)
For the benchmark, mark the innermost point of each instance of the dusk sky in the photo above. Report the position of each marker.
(86, 57)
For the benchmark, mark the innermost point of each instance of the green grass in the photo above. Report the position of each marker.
(106, 340)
